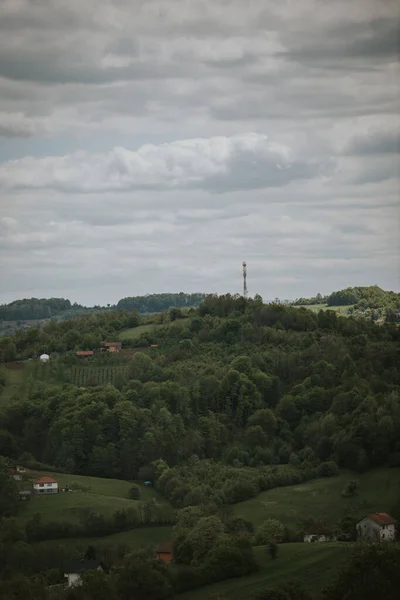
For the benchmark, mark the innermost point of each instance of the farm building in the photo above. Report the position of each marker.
(24, 495)
(84, 353)
(164, 552)
(116, 345)
(318, 532)
(73, 570)
(45, 485)
(377, 527)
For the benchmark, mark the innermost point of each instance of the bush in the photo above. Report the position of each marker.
(267, 530)
(327, 469)
(350, 489)
(273, 550)
(134, 493)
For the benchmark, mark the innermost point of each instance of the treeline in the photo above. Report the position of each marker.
(160, 302)
(35, 308)
(81, 333)
(47, 308)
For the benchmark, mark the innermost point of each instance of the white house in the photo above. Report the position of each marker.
(45, 485)
(316, 537)
(377, 527)
(318, 532)
(74, 570)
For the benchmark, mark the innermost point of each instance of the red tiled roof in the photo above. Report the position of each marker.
(85, 353)
(381, 518)
(164, 548)
(45, 479)
(117, 344)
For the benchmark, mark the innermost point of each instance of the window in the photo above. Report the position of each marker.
(48, 484)
(41, 484)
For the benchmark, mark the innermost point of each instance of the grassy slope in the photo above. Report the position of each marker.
(105, 496)
(136, 332)
(378, 491)
(312, 564)
(135, 538)
(342, 310)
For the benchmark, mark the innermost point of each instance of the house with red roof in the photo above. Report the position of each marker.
(45, 485)
(84, 353)
(376, 527)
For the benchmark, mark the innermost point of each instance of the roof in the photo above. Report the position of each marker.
(84, 353)
(115, 344)
(45, 479)
(164, 548)
(77, 566)
(381, 518)
(113, 349)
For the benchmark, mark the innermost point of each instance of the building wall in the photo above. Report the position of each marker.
(369, 530)
(46, 488)
(74, 579)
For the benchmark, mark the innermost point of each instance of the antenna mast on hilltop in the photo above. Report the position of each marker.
(244, 264)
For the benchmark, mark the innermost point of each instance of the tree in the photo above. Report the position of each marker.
(134, 492)
(372, 572)
(273, 550)
(143, 577)
(203, 536)
(8, 490)
(327, 469)
(268, 530)
(350, 489)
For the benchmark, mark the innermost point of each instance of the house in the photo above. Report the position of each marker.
(84, 353)
(12, 472)
(164, 552)
(45, 485)
(318, 532)
(73, 570)
(113, 346)
(24, 495)
(376, 527)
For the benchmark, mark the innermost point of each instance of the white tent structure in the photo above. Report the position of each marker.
(44, 358)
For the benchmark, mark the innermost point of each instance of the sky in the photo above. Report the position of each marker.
(153, 145)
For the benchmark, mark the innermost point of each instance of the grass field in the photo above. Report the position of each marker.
(314, 565)
(136, 332)
(342, 310)
(135, 538)
(104, 496)
(378, 491)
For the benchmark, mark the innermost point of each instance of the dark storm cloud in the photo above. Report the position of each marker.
(381, 142)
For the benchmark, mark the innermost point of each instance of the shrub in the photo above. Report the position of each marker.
(267, 530)
(134, 492)
(327, 469)
(350, 489)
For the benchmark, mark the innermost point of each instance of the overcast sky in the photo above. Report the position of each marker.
(153, 145)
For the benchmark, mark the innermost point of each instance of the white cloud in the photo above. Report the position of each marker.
(219, 164)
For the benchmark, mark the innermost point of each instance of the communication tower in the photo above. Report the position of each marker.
(244, 264)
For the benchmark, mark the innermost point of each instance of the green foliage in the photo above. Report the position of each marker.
(373, 572)
(350, 489)
(273, 550)
(134, 492)
(266, 531)
(327, 469)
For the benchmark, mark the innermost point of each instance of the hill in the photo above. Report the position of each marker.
(314, 565)
(367, 302)
(377, 491)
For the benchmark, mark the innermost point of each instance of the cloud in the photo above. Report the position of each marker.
(121, 122)
(247, 161)
(18, 125)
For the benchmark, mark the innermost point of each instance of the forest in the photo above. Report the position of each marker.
(239, 397)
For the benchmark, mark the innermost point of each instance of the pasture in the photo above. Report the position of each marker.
(102, 495)
(378, 491)
(135, 332)
(314, 565)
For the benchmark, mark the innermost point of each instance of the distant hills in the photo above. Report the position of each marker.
(47, 308)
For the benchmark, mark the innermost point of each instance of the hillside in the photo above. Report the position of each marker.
(237, 411)
(313, 565)
(363, 302)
